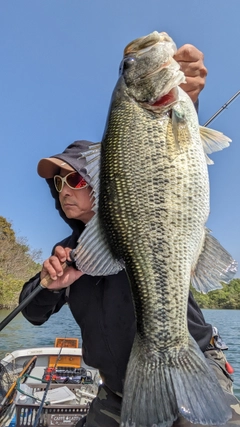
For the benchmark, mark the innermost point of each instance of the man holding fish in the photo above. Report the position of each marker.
(102, 304)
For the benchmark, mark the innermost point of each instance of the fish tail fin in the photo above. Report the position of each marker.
(148, 397)
(197, 384)
(158, 389)
(214, 265)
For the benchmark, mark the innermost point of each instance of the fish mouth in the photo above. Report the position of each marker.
(150, 73)
(162, 101)
(165, 100)
(142, 44)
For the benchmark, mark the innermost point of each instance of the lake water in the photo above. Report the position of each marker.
(228, 324)
(21, 334)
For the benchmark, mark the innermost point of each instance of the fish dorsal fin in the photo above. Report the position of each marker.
(92, 254)
(214, 265)
(213, 141)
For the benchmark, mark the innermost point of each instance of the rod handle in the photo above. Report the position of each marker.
(45, 282)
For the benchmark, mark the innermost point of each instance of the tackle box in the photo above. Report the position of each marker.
(64, 414)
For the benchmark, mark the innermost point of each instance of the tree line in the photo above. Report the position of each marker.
(226, 298)
(18, 264)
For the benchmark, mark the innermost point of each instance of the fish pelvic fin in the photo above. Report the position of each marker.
(214, 265)
(213, 141)
(92, 255)
(159, 388)
(178, 132)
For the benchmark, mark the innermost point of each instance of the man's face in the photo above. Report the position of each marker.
(76, 203)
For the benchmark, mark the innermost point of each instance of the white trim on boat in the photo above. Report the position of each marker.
(41, 351)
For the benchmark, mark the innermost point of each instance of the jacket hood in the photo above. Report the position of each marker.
(71, 156)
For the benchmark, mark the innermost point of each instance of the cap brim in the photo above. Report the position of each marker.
(51, 166)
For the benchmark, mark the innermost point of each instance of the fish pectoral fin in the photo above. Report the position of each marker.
(175, 123)
(180, 139)
(215, 265)
(213, 141)
(92, 254)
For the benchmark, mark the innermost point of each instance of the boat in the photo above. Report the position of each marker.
(46, 386)
(29, 376)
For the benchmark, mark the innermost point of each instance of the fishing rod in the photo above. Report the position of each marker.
(40, 409)
(8, 399)
(41, 286)
(222, 108)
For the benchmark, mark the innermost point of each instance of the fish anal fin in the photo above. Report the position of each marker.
(214, 265)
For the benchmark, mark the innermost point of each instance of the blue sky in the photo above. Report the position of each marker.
(59, 65)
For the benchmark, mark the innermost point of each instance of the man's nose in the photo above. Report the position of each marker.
(66, 189)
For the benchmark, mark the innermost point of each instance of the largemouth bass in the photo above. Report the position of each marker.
(151, 207)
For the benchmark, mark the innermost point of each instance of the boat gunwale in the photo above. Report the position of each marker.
(40, 351)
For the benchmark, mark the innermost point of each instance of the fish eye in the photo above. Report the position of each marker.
(126, 63)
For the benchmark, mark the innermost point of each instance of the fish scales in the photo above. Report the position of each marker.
(148, 234)
(151, 203)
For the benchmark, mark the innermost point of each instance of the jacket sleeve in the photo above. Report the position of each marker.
(43, 305)
(198, 328)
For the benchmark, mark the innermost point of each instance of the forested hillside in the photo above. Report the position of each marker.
(227, 297)
(17, 264)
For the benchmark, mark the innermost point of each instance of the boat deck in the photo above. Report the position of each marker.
(68, 370)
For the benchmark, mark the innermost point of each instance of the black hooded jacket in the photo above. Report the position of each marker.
(101, 306)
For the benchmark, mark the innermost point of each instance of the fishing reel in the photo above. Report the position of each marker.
(66, 375)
